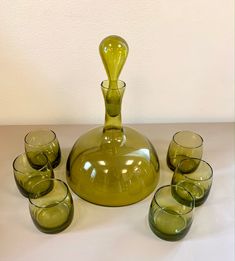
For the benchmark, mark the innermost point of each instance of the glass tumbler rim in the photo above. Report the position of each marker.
(188, 147)
(38, 130)
(47, 163)
(107, 81)
(57, 203)
(170, 186)
(195, 179)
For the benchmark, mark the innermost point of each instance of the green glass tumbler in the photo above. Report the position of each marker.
(42, 141)
(169, 218)
(26, 176)
(198, 181)
(51, 212)
(184, 144)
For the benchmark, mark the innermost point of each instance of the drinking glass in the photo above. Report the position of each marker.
(53, 211)
(169, 218)
(42, 141)
(26, 176)
(196, 176)
(184, 144)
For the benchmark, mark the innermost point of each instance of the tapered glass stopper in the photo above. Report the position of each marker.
(113, 51)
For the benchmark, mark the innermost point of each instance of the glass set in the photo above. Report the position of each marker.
(50, 201)
(172, 207)
(113, 165)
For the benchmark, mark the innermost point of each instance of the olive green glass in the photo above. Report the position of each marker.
(42, 141)
(196, 176)
(169, 218)
(184, 144)
(26, 176)
(51, 212)
(113, 165)
(113, 51)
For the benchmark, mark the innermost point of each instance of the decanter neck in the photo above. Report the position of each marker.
(113, 94)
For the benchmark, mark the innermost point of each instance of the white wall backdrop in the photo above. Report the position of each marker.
(179, 69)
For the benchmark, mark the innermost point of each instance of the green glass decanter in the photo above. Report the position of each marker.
(113, 165)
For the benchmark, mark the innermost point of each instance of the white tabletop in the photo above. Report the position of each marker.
(121, 233)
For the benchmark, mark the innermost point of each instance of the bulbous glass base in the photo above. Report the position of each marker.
(112, 167)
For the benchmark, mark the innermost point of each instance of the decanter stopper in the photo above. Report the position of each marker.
(113, 51)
